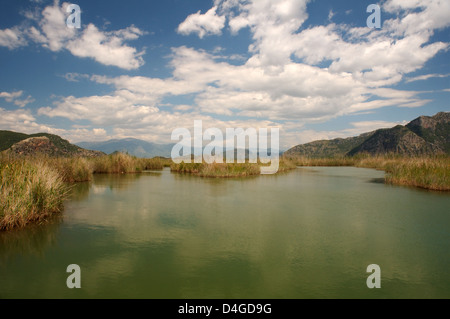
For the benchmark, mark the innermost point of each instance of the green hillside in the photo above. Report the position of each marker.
(423, 136)
(43, 143)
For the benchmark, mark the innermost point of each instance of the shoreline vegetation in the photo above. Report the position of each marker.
(427, 172)
(34, 188)
(225, 170)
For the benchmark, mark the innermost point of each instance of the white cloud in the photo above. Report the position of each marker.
(203, 24)
(100, 110)
(378, 58)
(12, 38)
(55, 32)
(18, 120)
(9, 97)
(426, 77)
(331, 14)
(107, 48)
(295, 76)
(14, 98)
(434, 15)
(75, 77)
(272, 23)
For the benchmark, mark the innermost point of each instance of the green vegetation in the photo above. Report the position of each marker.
(72, 170)
(18, 144)
(117, 163)
(217, 170)
(30, 191)
(34, 188)
(8, 139)
(431, 173)
(424, 136)
(227, 170)
(428, 172)
(120, 163)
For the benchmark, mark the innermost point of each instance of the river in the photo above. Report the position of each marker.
(308, 233)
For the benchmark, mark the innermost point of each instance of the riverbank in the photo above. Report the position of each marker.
(34, 188)
(432, 173)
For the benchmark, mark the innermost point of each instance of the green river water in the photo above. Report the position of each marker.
(309, 233)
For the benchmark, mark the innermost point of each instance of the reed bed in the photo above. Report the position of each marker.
(432, 172)
(29, 192)
(120, 163)
(73, 170)
(427, 173)
(34, 188)
(217, 170)
(224, 170)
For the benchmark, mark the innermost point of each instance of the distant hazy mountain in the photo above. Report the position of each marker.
(51, 145)
(131, 146)
(423, 136)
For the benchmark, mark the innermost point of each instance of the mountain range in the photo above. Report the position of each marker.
(131, 146)
(423, 136)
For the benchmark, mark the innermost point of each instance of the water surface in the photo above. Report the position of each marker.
(309, 233)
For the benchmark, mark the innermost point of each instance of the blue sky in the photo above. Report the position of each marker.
(145, 68)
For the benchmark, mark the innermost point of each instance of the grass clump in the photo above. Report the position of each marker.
(73, 170)
(157, 163)
(218, 170)
(224, 170)
(117, 163)
(324, 162)
(428, 173)
(30, 192)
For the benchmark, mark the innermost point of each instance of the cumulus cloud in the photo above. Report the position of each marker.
(433, 15)
(107, 47)
(294, 75)
(246, 92)
(376, 58)
(203, 24)
(51, 31)
(25, 122)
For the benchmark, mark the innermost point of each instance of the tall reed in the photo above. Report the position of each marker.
(428, 172)
(29, 192)
(227, 169)
(73, 170)
(118, 163)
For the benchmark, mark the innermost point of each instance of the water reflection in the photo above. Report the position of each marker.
(79, 192)
(306, 234)
(33, 240)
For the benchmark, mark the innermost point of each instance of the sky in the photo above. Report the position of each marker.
(141, 69)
